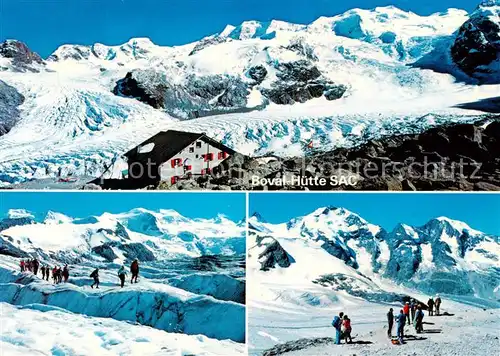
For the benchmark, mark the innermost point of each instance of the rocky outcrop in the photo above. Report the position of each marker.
(130, 250)
(22, 58)
(207, 42)
(152, 95)
(257, 73)
(8, 248)
(301, 81)
(477, 44)
(10, 99)
(297, 345)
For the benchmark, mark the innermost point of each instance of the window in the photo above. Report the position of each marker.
(208, 157)
(205, 171)
(188, 167)
(191, 149)
(198, 144)
(222, 155)
(174, 179)
(176, 162)
(197, 156)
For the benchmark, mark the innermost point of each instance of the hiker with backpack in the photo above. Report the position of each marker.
(337, 324)
(122, 274)
(95, 275)
(390, 322)
(47, 273)
(43, 272)
(413, 309)
(134, 270)
(437, 303)
(419, 317)
(346, 329)
(65, 273)
(54, 274)
(430, 305)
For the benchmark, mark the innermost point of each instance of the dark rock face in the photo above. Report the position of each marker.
(22, 57)
(10, 99)
(299, 82)
(478, 42)
(131, 251)
(130, 87)
(299, 46)
(105, 251)
(207, 42)
(9, 249)
(452, 157)
(257, 73)
(297, 345)
(273, 255)
(357, 288)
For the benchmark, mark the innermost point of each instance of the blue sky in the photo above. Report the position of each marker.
(81, 204)
(46, 24)
(480, 211)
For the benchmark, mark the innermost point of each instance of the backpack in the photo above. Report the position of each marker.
(93, 274)
(336, 322)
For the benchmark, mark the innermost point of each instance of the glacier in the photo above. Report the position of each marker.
(368, 73)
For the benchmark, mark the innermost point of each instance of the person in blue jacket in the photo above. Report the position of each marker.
(419, 317)
(337, 324)
(401, 319)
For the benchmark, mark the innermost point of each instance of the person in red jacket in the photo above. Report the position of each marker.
(406, 311)
(134, 270)
(22, 264)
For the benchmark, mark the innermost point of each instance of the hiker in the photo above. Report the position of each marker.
(406, 311)
(337, 324)
(390, 321)
(346, 329)
(28, 265)
(437, 303)
(95, 275)
(401, 319)
(122, 274)
(22, 264)
(65, 273)
(36, 264)
(419, 317)
(430, 304)
(43, 272)
(413, 309)
(134, 270)
(47, 272)
(59, 275)
(54, 274)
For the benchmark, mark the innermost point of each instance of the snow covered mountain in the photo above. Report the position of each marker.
(190, 293)
(279, 86)
(442, 256)
(139, 233)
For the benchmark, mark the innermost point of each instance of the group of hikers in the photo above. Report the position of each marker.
(122, 274)
(33, 265)
(411, 313)
(62, 274)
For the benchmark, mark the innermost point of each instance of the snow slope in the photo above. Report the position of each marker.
(71, 122)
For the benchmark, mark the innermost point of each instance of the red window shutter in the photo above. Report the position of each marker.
(179, 162)
(173, 163)
(220, 155)
(174, 179)
(203, 172)
(188, 168)
(208, 170)
(225, 154)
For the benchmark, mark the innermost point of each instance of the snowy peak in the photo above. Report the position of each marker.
(16, 56)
